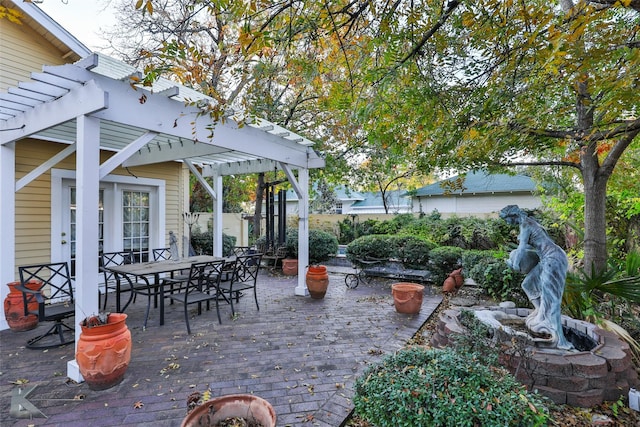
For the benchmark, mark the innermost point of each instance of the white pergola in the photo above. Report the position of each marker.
(96, 104)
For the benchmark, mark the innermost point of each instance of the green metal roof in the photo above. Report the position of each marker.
(479, 183)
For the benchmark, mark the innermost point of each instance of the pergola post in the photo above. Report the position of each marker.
(303, 232)
(7, 220)
(87, 190)
(217, 215)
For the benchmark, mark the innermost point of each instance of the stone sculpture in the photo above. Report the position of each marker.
(545, 265)
(173, 246)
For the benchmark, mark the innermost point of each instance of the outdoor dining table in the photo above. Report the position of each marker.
(156, 268)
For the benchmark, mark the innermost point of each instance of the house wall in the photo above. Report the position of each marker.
(33, 202)
(474, 205)
(23, 52)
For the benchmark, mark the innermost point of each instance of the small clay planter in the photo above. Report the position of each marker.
(252, 409)
(290, 266)
(407, 297)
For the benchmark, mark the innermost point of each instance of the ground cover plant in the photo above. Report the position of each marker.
(422, 387)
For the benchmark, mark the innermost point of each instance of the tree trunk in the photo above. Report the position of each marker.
(595, 231)
(594, 179)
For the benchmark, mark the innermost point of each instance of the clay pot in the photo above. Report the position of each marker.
(317, 281)
(407, 297)
(449, 285)
(290, 267)
(104, 352)
(458, 277)
(253, 409)
(14, 307)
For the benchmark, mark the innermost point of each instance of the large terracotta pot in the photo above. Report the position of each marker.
(14, 307)
(290, 266)
(317, 281)
(407, 297)
(104, 352)
(253, 409)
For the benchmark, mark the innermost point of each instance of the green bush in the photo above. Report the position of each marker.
(369, 247)
(443, 260)
(498, 280)
(411, 251)
(322, 245)
(202, 243)
(429, 387)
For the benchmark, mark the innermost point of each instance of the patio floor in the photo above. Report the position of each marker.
(302, 355)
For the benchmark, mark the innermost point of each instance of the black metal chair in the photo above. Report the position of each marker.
(147, 288)
(242, 250)
(161, 254)
(244, 277)
(274, 257)
(108, 259)
(55, 301)
(202, 285)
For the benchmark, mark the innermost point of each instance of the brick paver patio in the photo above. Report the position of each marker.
(302, 355)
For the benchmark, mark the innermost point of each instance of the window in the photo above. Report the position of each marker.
(135, 223)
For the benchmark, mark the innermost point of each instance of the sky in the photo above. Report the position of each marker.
(82, 18)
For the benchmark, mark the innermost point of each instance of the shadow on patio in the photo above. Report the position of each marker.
(300, 354)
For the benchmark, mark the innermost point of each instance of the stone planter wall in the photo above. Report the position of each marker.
(581, 378)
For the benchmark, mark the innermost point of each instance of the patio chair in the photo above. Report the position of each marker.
(202, 285)
(108, 259)
(145, 287)
(230, 266)
(161, 254)
(241, 250)
(244, 277)
(274, 257)
(164, 254)
(55, 301)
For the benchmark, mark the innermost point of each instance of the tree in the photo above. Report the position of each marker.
(468, 85)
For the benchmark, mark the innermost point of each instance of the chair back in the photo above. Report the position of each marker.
(161, 254)
(204, 276)
(109, 259)
(56, 285)
(246, 269)
(241, 250)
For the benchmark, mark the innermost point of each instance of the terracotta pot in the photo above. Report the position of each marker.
(449, 285)
(14, 307)
(247, 406)
(317, 281)
(290, 267)
(458, 277)
(104, 352)
(407, 297)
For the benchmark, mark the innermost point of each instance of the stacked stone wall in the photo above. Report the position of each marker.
(577, 378)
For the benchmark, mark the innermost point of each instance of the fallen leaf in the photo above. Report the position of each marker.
(138, 404)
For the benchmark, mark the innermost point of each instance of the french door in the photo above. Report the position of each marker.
(130, 217)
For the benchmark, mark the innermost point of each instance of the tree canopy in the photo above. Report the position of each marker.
(440, 85)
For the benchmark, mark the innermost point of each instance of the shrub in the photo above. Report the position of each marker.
(498, 280)
(413, 252)
(443, 260)
(202, 243)
(322, 245)
(369, 247)
(424, 387)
